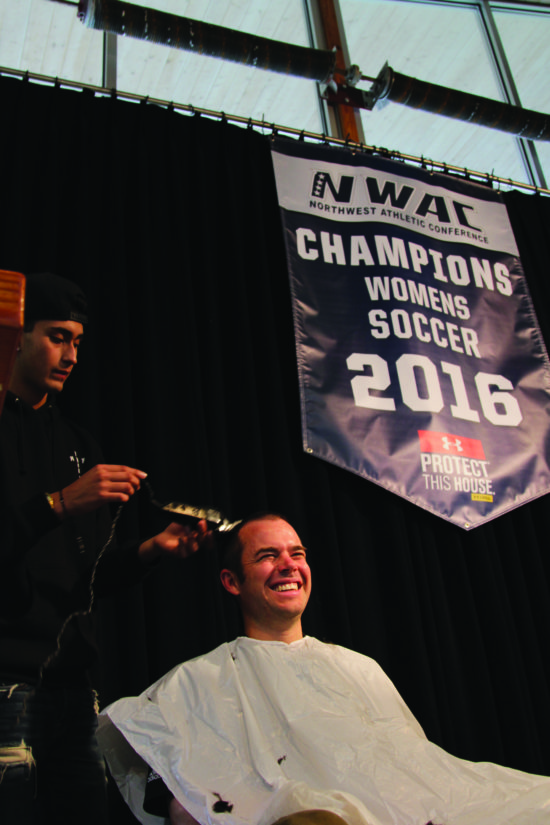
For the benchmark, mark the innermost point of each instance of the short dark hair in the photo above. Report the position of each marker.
(232, 547)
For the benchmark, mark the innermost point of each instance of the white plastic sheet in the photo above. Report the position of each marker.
(256, 730)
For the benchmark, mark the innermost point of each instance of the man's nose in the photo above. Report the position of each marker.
(287, 562)
(70, 352)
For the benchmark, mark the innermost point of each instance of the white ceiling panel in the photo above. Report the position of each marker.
(44, 37)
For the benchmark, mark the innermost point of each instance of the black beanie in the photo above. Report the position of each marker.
(52, 298)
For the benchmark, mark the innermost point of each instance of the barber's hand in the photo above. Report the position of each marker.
(177, 540)
(103, 484)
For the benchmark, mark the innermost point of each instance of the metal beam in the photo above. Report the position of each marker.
(109, 60)
(130, 20)
(345, 119)
(440, 100)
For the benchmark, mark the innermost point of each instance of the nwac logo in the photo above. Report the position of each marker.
(385, 193)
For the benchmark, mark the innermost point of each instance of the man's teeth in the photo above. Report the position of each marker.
(290, 586)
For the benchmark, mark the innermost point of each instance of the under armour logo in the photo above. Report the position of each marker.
(457, 444)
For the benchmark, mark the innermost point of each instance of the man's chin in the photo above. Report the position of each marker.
(55, 385)
(292, 606)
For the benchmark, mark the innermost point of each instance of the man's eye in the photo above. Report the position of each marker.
(56, 339)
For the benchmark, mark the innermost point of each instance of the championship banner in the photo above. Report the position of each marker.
(421, 364)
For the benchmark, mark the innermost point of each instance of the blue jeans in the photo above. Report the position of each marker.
(51, 769)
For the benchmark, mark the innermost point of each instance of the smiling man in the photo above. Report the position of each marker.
(277, 727)
(271, 578)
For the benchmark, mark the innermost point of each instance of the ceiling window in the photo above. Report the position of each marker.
(446, 44)
(492, 49)
(525, 37)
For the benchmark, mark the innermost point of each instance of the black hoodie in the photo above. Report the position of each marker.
(45, 565)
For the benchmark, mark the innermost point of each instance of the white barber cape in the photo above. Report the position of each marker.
(256, 730)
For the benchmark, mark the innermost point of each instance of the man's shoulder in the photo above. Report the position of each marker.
(195, 668)
(352, 661)
(17, 411)
(335, 649)
(23, 427)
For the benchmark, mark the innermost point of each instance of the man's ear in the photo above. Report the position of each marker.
(230, 582)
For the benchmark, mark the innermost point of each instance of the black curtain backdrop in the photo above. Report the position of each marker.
(170, 223)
